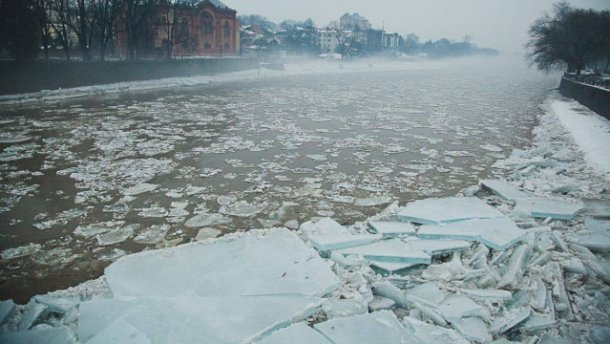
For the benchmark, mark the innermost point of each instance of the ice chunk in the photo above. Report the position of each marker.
(504, 189)
(392, 228)
(492, 295)
(241, 209)
(206, 220)
(427, 291)
(97, 228)
(548, 207)
(537, 323)
(392, 268)
(431, 334)
(140, 189)
(380, 303)
(119, 332)
(338, 308)
(21, 251)
(454, 307)
(599, 242)
(152, 235)
(296, 334)
(392, 250)
(192, 319)
(325, 226)
(116, 236)
(514, 318)
(335, 242)
(207, 233)
(276, 262)
(388, 290)
(473, 329)
(598, 224)
(499, 234)
(378, 327)
(7, 308)
(440, 247)
(30, 316)
(451, 209)
(515, 266)
(56, 304)
(372, 201)
(597, 207)
(46, 335)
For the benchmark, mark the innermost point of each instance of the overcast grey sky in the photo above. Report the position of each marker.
(500, 24)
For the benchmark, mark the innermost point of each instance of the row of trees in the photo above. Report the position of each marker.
(29, 26)
(572, 38)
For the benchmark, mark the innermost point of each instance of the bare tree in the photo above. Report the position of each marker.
(61, 23)
(105, 12)
(42, 9)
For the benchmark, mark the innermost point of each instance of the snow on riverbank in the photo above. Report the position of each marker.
(441, 278)
(589, 131)
(304, 68)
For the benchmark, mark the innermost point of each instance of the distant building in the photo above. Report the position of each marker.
(207, 28)
(327, 40)
(391, 40)
(354, 22)
(374, 40)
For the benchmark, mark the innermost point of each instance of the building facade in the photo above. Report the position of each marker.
(208, 28)
(327, 40)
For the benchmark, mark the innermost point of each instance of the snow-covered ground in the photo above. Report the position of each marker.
(589, 131)
(543, 279)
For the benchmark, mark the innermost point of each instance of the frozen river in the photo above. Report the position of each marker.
(89, 180)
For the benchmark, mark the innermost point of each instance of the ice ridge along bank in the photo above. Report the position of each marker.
(520, 258)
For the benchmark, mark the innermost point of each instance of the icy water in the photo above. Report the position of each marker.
(89, 180)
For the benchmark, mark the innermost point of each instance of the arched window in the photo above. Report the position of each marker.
(208, 24)
(227, 30)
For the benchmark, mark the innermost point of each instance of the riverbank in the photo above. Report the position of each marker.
(191, 79)
(552, 282)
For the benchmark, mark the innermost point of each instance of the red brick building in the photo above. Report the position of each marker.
(207, 28)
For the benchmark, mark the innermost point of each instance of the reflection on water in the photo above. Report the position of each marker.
(88, 181)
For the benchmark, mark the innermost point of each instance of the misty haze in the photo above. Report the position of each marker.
(206, 171)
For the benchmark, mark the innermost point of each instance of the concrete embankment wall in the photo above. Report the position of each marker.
(18, 77)
(596, 99)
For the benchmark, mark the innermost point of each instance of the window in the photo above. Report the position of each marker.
(207, 46)
(227, 46)
(208, 21)
(227, 30)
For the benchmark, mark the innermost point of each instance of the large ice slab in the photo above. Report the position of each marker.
(272, 263)
(46, 334)
(432, 334)
(378, 327)
(192, 319)
(499, 234)
(450, 209)
(504, 189)
(296, 334)
(324, 226)
(392, 228)
(411, 252)
(119, 332)
(393, 250)
(339, 241)
(548, 207)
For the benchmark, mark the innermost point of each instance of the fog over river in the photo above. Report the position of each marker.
(86, 181)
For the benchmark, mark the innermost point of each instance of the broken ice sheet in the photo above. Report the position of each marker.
(41, 334)
(378, 327)
(339, 241)
(226, 319)
(431, 334)
(391, 228)
(451, 209)
(116, 235)
(274, 262)
(206, 220)
(296, 334)
(140, 189)
(548, 207)
(21, 251)
(152, 235)
(498, 233)
(504, 189)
